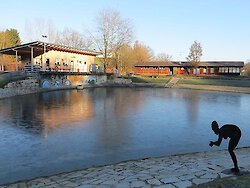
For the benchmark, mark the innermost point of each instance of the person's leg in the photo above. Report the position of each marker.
(231, 146)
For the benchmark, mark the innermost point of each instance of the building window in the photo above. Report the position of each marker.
(57, 62)
(198, 70)
(230, 69)
(212, 70)
(65, 62)
(204, 70)
(37, 61)
(47, 62)
(223, 69)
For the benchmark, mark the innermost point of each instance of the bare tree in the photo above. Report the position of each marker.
(246, 68)
(163, 57)
(34, 30)
(72, 38)
(195, 54)
(126, 59)
(67, 37)
(142, 53)
(112, 33)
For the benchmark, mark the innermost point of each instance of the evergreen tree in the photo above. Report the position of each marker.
(9, 38)
(12, 38)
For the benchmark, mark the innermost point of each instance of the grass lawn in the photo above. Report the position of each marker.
(216, 82)
(148, 79)
(220, 81)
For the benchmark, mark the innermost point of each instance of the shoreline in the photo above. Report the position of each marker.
(180, 170)
(214, 88)
(11, 92)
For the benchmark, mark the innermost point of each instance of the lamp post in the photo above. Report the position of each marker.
(44, 51)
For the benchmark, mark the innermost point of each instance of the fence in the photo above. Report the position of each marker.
(31, 68)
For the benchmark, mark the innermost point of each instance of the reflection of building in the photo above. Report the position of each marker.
(203, 68)
(51, 57)
(49, 111)
(64, 110)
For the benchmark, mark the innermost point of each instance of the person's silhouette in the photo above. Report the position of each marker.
(231, 131)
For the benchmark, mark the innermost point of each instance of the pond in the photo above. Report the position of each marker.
(48, 133)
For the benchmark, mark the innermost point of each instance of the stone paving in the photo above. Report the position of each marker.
(177, 171)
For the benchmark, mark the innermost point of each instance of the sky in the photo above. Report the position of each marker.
(166, 26)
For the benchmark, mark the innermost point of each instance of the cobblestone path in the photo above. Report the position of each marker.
(175, 171)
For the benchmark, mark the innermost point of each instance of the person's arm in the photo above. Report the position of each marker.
(217, 143)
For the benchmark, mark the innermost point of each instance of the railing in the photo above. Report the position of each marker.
(31, 68)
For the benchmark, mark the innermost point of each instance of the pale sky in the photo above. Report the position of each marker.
(170, 26)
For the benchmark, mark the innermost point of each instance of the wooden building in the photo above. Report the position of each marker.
(186, 68)
(49, 57)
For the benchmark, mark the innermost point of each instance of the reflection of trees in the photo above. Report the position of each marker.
(196, 99)
(116, 106)
(113, 107)
(21, 112)
(45, 112)
(192, 99)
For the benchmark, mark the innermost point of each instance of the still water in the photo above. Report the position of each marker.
(46, 133)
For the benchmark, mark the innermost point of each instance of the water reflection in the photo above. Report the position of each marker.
(112, 107)
(78, 129)
(45, 112)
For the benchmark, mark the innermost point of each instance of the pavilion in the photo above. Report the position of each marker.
(49, 56)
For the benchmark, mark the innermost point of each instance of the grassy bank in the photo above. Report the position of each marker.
(216, 82)
(230, 182)
(150, 79)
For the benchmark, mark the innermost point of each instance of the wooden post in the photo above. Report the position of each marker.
(31, 58)
(44, 56)
(2, 66)
(16, 61)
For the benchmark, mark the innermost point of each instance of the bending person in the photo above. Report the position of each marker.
(234, 133)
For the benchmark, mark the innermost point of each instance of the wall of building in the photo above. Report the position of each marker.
(152, 70)
(64, 61)
(187, 71)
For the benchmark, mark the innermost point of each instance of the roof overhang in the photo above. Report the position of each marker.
(188, 64)
(38, 46)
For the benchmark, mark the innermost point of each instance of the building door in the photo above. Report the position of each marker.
(72, 65)
(47, 64)
(171, 70)
(175, 70)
